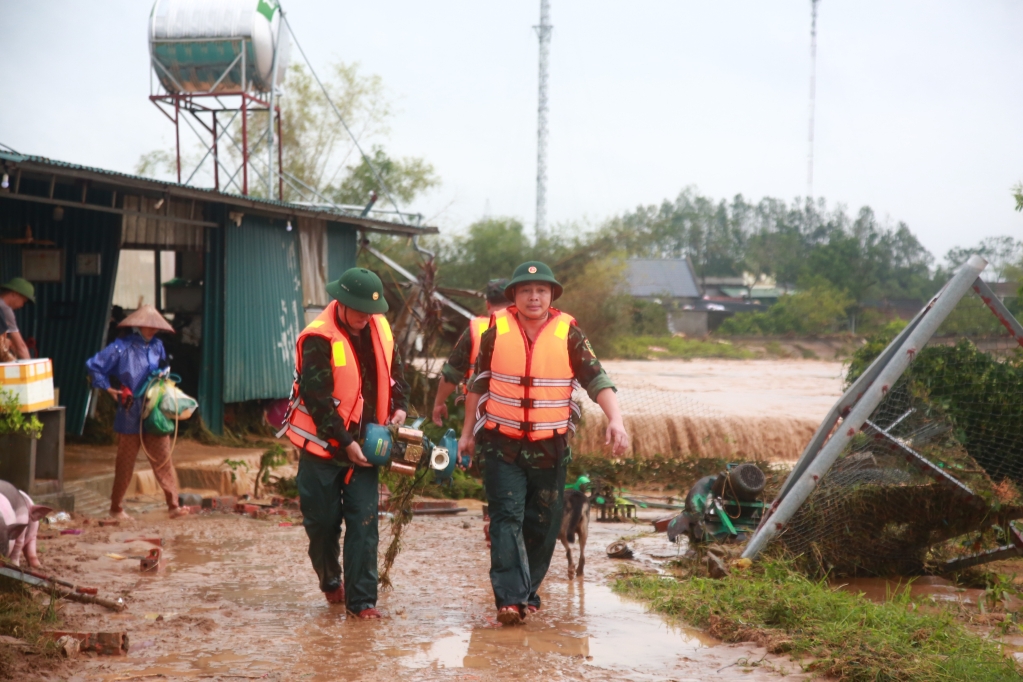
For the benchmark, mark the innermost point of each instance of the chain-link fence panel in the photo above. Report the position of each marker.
(936, 471)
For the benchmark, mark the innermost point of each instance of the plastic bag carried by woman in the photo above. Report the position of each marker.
(165, 403)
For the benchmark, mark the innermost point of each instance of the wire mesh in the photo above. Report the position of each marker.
(937, 469)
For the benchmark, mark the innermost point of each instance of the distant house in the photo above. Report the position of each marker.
(669, 281)
(692, 309)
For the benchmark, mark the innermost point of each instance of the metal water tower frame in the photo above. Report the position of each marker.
(212, 104)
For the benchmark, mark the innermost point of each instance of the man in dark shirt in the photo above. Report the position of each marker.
(456, 370)
(335, 481)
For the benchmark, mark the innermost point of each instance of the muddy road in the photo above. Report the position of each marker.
(237, 599)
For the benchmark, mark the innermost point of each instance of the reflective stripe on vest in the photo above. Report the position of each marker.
(530, 386)
(347, 393)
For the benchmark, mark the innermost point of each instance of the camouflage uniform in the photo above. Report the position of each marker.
(326, 498)
(458, 362)
(524, 481)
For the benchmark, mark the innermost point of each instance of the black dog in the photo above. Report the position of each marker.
(575, 520)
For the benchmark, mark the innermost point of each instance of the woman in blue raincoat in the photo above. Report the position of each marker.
(130, 360)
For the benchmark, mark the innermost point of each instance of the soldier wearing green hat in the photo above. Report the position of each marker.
(14, 294)
(348, 374)
(531, 360)
(456, 371)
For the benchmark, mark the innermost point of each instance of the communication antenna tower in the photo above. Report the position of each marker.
(813, 95)
(543, 32)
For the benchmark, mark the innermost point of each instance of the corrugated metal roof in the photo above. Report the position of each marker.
(671, 278)
(69, 319)
(278, 208)
(262, 309)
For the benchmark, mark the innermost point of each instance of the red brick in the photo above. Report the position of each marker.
(102, 643)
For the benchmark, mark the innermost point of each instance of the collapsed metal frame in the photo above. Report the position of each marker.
(851, 413)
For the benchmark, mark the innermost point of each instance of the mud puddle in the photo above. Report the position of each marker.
(926, 587)
(237, 599)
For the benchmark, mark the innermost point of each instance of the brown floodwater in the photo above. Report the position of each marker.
(925, 587)
(236, 598)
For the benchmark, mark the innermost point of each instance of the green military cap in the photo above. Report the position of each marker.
(359, 289)
(20, 285)
(533, 271)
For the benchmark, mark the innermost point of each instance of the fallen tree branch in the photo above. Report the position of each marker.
(61, 592)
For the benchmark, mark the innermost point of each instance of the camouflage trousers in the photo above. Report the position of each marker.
(327, 502)
(525, 518)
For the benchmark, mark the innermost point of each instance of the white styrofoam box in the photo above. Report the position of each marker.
(31, 381)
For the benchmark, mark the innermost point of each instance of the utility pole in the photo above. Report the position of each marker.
(543, 32)
(813, 95)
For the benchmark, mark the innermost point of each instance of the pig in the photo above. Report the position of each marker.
(8, 532)
(21, 518)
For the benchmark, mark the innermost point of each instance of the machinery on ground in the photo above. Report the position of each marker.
(722, 508)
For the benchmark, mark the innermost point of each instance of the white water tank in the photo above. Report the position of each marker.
(195, 44)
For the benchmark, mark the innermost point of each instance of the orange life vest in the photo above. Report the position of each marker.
(477, 326)
(347, 392)
(530, 385)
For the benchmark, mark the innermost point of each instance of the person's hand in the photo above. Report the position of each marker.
(467, 446)
(440, 413)
(617, 437)
(115, 394)
(355, 455)
(398, 418)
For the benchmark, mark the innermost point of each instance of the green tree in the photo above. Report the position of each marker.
(820, 309)
(789, 242)
(405, 179)
(319, 156)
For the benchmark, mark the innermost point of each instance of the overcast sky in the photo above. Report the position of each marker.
(915, 100)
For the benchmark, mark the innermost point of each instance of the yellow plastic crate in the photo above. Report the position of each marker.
(31, 381)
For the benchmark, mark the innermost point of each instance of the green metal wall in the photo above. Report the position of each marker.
(342, 247)
(262, 309)
(70, 318)
(211, 378)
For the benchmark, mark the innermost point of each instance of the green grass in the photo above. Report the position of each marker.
(843, 635)
(25, 618)
(673, 347)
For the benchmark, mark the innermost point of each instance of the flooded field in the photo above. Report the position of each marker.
(730, 409)
(237, 599)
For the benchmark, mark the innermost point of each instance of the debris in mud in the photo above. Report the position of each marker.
(68, 646)
(716, 567)
(61, 589)
(102, 643)
(619, 550)
(151, 562)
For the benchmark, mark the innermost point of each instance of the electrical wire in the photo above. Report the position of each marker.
(9, 148)
(355, 141)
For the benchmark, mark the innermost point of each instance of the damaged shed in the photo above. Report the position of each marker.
(248, 273)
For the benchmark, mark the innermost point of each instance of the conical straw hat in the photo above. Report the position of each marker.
(147, 316)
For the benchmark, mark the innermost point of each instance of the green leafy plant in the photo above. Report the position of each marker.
(234, 464)
(13, 421)
(275, 456)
